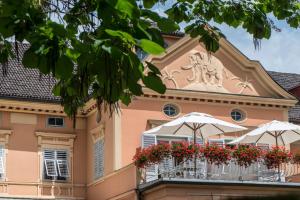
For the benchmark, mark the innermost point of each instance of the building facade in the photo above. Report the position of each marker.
(44, 157)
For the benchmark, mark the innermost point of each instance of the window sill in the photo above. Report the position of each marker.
(56, 181)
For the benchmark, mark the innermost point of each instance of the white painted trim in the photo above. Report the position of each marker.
(117, 135)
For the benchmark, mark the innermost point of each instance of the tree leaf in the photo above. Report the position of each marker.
(64, 67)
(30, 59)
(149, 3)
(122, 35)
(153, 68)
(151, 47)
(154, 82)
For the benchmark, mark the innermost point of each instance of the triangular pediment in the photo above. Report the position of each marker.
(187, 66)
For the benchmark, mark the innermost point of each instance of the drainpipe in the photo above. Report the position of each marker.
(139, 194)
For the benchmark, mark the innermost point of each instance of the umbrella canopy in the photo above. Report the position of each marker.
(201, 124)
(274, 132)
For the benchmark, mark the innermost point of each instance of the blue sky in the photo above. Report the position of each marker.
(280, 53)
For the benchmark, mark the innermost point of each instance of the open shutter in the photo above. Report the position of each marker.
(49, 162)
(148, 140)
(152, 171)
(50, 166)
(2, 170)
(62, 163)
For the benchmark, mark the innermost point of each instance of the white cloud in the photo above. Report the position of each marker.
(280, 53)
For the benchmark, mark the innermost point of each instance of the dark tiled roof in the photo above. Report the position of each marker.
(26, 84)
(176, 33)
(294, 114)
(287, 80)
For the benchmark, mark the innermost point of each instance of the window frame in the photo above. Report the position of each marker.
(243, 114)
(174, 105)
(57, 177)
(3, 163)
(55, 126)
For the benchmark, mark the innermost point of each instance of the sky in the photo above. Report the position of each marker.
(279, 53)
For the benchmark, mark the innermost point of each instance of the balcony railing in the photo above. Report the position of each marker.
(257, 172)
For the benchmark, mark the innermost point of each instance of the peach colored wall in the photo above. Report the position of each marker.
(120, 185)
(137, 114)
(22, 161)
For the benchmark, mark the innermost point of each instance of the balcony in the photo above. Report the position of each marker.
(231, 172)
(213, 163)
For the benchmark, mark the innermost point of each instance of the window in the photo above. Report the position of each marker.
(171, 110)
(2, 159)
(237, 115)
(55, 121)
(98, 158)
(56, 165)
(141, 54)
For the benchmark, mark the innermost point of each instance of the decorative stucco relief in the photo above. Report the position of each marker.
(243, 84)
(207, 72)
(170, 76)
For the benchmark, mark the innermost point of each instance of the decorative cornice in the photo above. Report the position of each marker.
(34, 107)
(219, 98)
(56, 139)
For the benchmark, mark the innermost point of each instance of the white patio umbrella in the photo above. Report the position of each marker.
(275, 132)
(195, 124)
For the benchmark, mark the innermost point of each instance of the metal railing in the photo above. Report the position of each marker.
(257, 172)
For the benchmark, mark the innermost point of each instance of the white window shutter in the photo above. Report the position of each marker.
(49, 154)
(50, 166)
(62, 163)
(148, 140)
(63, 168)
(152, 171)
(99, 159)
(1, 165)
(2, 154)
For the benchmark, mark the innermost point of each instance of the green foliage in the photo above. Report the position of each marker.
(89, 45)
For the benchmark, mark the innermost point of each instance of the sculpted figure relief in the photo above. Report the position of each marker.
(205, 68)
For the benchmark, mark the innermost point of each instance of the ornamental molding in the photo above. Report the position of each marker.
(217, 98)
(243, 84)
(4, 136)
(207, 72)
(46, 139)
(170, 76)
(98, 133)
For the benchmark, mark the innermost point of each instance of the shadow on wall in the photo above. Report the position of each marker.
(281, 197)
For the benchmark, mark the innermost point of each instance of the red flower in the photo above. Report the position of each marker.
(276, 157)
(216, 154)
(245, 155)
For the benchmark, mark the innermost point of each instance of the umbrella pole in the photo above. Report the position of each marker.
(276, 138)
(195, 155)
